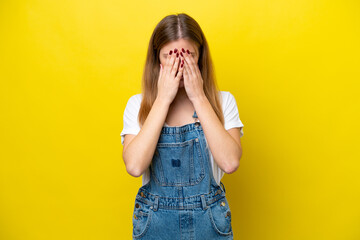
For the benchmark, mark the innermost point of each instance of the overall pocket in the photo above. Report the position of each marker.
(141, 218)
(178, 164)
(220, 217)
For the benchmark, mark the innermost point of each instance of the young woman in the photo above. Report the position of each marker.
(181, 135)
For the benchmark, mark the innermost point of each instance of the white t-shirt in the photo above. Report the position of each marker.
(231, 117)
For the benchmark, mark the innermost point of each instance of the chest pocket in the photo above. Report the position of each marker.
(178, 164)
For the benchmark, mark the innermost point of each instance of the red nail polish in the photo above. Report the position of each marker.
(188, 51)
(182, 65)
(182, 49)
(177, 54)
(175, 50)
(170, 52)
(181, 54)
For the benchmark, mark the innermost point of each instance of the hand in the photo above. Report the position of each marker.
(168, 83)
(193, 81)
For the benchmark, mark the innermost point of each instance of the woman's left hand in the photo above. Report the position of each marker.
(193, 81)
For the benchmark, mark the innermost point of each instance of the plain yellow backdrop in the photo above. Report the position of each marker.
(67, 69)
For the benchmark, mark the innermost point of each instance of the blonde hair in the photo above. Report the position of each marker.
(172, 28)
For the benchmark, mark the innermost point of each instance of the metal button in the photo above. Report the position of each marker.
(137, 205)
(197, 124)
(196, 139)
(228, 214)
(151, 207)
(218, 191)
(142, 194)
(222, 203)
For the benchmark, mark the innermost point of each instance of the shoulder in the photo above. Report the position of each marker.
(134, 101)
(227, 99)
(136, 98)
(225, 94)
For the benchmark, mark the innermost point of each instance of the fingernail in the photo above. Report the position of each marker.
(187, 50)
(181, 54)
(175, 50)
(182, 65)
(182, 49)
(177, 54)
(170, 52)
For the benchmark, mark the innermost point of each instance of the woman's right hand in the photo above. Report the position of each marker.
(168, 83)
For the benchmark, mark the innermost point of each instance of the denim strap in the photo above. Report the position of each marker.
(156, 203)
(203, 202)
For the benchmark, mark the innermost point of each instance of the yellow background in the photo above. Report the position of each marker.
(67, 69)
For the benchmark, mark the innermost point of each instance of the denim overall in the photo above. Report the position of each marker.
(182, 200)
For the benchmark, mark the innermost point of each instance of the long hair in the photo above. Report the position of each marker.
(172, 28)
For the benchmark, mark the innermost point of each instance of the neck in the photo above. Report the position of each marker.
(181, 98)
(181, 95)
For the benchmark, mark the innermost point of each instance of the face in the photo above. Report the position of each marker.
(178, 44)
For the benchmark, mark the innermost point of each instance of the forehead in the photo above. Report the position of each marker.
(181, 43)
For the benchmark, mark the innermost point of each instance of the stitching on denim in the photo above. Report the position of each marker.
(146, 227)
(215, 227)
(191, 142)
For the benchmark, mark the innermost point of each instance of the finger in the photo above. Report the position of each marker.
(169, 63)
(179, 75)
(186, 71)
(190, 63)
(187, 68)
(172, 60)
(175, 67)
(161, 71)
(181, 68)
(182, 64)
(194, 67)
(166, 63)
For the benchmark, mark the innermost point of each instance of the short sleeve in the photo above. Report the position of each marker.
(231, 113)
(130, 122)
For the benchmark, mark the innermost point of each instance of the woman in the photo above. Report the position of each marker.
(189, 137)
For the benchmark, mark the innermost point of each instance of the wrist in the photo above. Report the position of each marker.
(162, 102)
(199, 100)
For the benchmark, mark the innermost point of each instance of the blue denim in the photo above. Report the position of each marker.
(182, 200)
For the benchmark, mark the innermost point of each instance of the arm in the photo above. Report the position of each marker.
(139, 149)
(224, 145)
